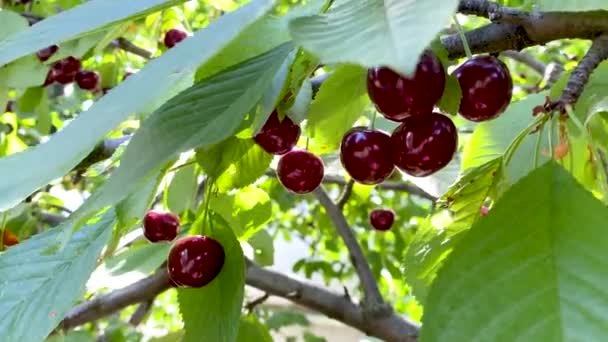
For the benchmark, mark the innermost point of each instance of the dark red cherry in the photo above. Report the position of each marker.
(486, 88)
(382, 219)
(424, 144)
(64, 71)
(50, 77)
(46, 53)
(365, 155)
(10, 106)
(174, 36)
(278, 137)
(87, 80)
(194, 261)
(160, 226)
(300, 171)
(397, 97)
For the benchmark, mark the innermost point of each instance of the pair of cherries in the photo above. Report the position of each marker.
(193, 261)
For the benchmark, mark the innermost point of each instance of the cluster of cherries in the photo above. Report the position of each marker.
(423, 143)
(68, 70)
(193, 261)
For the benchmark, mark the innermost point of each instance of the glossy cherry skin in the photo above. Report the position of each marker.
(160, 226)
(64, 71)
(46, 53)
(278, 137)
(194, 261)
(424, 144)
(382, 219)
(174, 36)
(87, 80)
(365, 155)
(486, 86)
(300, 171)
(397, 97)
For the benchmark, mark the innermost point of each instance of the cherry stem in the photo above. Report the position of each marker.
(2, 228)
(463, 38)
(373, 122)
(551, 129)
(539, 138)
(307, 140)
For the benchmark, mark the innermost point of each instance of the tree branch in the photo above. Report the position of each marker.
(597, 53)
(527, 59)
(373, 299)
(389, 328)
(124, 44)
(102, 151)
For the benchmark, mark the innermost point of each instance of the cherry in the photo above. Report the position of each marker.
(10, 106)
(46, 53)
(194, 261)
(486, 88)
(50, 78)
(87, 80)
(424, 144)
(278, 137)
(174, 36)
(300, 171)
(64, 71)
(483, 211)
(160, 226)
(382, 219)
(365, 155)
(397, 96)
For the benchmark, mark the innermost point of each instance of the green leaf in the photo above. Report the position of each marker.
(437, 235)
(202, 115)
(234, 163)
(568, 5)
(338, 104)
(450, 100)
(143, 258)
(182, 190)
(263, 248)
(529, 271)
(212, 312)
(11, 23)
(89, 16)
(30, 99)
(175, 336)
(286, 318)
(73, 336)
(392, 33)
(132, 208)
(24, 72)
(247, 211)
(41, 287)
(251, 330)
(160, 79)
(491, 138)
(310, 337)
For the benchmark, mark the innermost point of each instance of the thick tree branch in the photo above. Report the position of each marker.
(597, 53)
(373, 299)
(389, 328)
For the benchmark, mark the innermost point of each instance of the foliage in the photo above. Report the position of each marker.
(72, 202)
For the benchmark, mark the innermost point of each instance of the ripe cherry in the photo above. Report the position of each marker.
(365, 155)
(194, 261)
(174, 36)
(64, 71)
(46, 53)
(300, 171)
(486, 88)
(382, 219)
(278, 137)
(424, 144)
(160, 226)
(87, 80)
(397, 97)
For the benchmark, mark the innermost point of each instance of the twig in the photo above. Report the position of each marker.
(597, 53)
(141, 312)
(128, 46)
(346, 193)
(251, 305)
(102, 151)
(373, 299)
(334, 305)
(527, 59)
